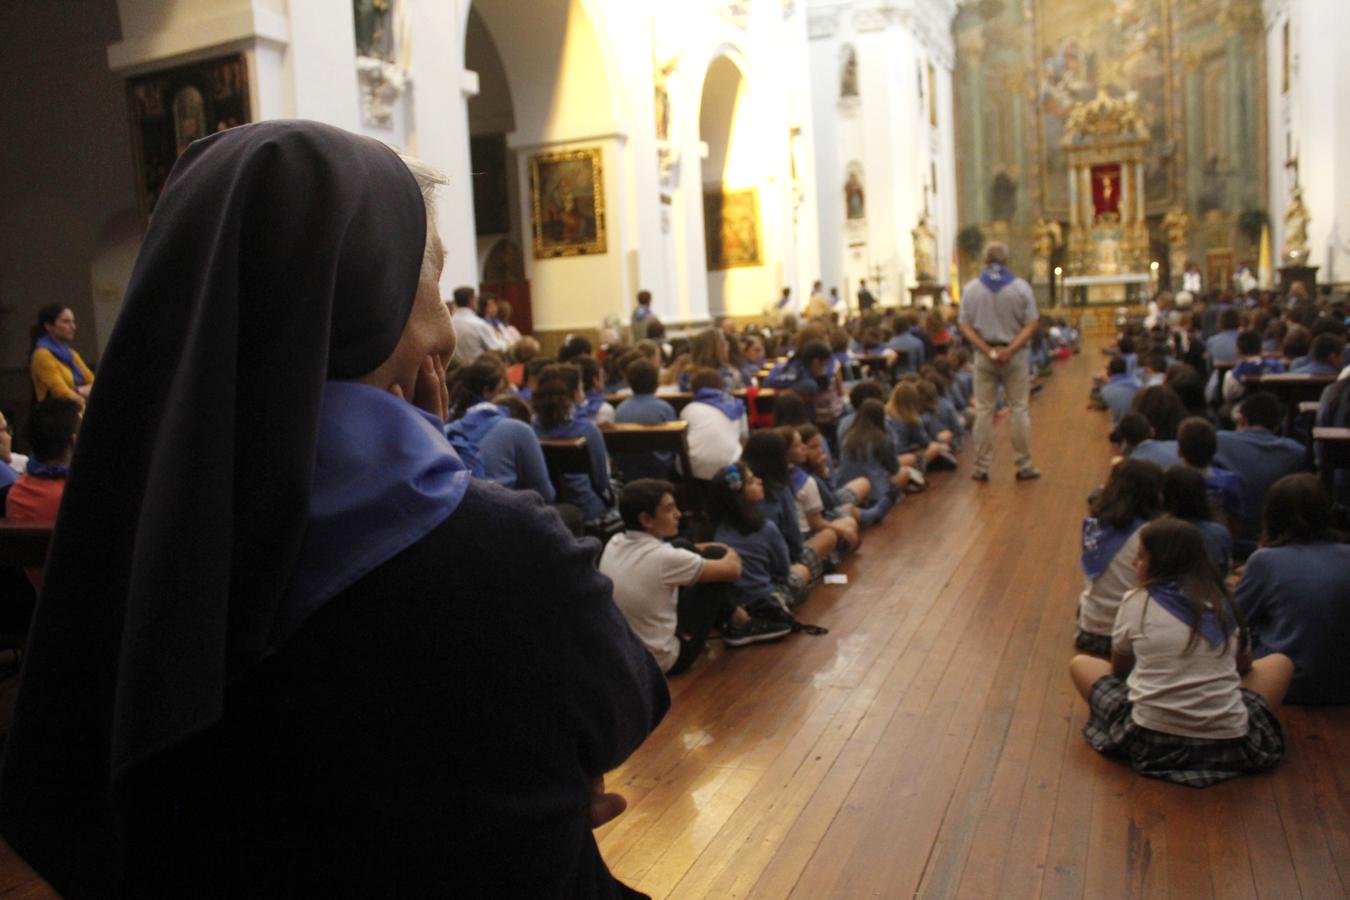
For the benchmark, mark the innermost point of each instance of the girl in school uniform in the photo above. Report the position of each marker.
(868, 451)
(594, 406)
(842, 498)
(555, 400)
(768, 575)
(1181, 698)
(1110, 541)
(766, 452)
(812, 517)
(1184, 497)
(904, 416)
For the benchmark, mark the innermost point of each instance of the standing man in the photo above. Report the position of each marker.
(865, 299)
(817, 307)
(642, 316)
(473, 335)
(999, 317)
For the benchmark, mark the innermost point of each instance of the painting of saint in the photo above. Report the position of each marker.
(855, 203)
(731, 227)
(567, 196)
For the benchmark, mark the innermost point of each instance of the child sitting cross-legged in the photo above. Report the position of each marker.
(673, 596)
(1181, 698)
(867, 451)
(766, 452)
(811, 512)
(1110, 538)
(848, 498)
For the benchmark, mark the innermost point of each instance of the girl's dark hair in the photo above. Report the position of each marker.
(1163, 409)
(642, 377)
(1176, 553)
(556, 395)
(1133, 491)
(766, 453)
(518, 408)
(1297, 511)
(808, 433)
(473, 383)
(726, 500)
(590, 372)
(46, 316)
(1183, 494)
(790, 409)
(867, 434)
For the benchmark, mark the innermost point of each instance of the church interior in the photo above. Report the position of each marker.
(1110, 223)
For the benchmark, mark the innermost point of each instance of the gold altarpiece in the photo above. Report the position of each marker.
(1104, 144)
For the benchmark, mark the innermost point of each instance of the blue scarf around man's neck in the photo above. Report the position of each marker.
(996, 277)
(63, 353)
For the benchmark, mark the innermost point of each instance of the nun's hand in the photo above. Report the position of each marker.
(430, 392)
(604, 806)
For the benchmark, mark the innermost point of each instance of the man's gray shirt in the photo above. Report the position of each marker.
(998, 317)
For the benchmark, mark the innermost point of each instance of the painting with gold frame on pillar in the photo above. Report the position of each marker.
(731, 227)
(567, 200)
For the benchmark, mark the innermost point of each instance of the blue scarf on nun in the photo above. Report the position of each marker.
(996, 277)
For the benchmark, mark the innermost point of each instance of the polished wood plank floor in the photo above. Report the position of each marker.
(930, 744)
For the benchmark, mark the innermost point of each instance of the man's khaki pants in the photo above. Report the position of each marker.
(1016, 380)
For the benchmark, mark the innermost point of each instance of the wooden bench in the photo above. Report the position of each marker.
(667, 437)
(565, 456)
(1335, 446)
(24, 544)
(1291, 390)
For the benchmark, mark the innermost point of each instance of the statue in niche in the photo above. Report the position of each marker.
(189, 117)
(925, 249)
(848, 79)
(855, 202)
(1045, 237)
(1295, 249)
(1003, 197)
(662, 112)
(374, 34)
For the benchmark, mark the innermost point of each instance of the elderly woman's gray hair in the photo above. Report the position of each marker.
(428, 180)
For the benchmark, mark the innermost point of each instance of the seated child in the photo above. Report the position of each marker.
(1197, 442)
(939, 416)
(1324, 357)
(807, 372)
(594, 404)
(1181, 698)
(847, 499)
(501, 448)
(1294, 589)
(1119, 390)
(644, 408)
(863, 390)
(35, 496)
(811, 517)
(868, 452)
(717, 424)
(1184, 498)
(672, 597)
(1250, 362)
(768, 576)
(904, 417)
(1137, 442)
(1110, 539)
(752, 349)
(1257, 455)
(766, 453)
(555, 400)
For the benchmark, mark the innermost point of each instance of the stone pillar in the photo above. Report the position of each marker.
(1127, 213)
(1073, 198)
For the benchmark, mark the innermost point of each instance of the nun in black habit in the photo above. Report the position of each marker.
(280, 650)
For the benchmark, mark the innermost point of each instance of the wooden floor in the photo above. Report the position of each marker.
(930, 744)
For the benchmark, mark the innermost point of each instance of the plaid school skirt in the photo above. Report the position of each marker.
(1194, 762)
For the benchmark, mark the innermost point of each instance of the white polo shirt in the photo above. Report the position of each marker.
(714, 440)
(647, 574)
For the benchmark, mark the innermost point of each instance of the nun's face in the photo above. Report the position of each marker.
(427, 342)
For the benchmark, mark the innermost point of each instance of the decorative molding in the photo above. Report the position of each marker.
(382, 83)
(822, 23)
(737, 12)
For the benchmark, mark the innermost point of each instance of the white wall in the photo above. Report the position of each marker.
(1316, 112)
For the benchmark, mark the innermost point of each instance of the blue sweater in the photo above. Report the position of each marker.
(908, 437)
(1164, 453)
(511, 457)
(764, 559)
(645, 409)
(1117, 394)
(1295, 601)
(585, 490)
(780, 507)
(1261, 459)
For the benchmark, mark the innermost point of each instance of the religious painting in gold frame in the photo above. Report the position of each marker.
(567, 199)
(731, 227)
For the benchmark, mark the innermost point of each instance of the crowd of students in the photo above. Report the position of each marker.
(1214, 578)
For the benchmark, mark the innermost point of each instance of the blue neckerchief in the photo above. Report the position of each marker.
(641, 313)
(594, 400)
(573, 427)
(782, 304)
(730, 406)
(525, 394)
(797, 477)
(384, 478)
(467, 432)
(834, 299)
(53, 471)
(750, 371)
(1170, 597)
(1101, 543)
(63, 353)
(683, 382)
(996, 277)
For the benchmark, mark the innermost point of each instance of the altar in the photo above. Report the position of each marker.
(1126, 288)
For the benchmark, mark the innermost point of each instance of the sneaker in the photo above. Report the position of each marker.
(753, 632)
(1028, 473)
(979, 475)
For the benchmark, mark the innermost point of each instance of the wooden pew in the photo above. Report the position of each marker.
(24, 543)
(667, 437)
(1335, 446)
(564, 456)
(1291, 391)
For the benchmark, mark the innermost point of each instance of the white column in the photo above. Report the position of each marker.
(1073, 197)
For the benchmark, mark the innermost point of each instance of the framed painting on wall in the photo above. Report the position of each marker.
(567, 198)
(731, 227)
(172, 108)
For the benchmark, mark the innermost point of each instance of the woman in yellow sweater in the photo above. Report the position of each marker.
(57, 370)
